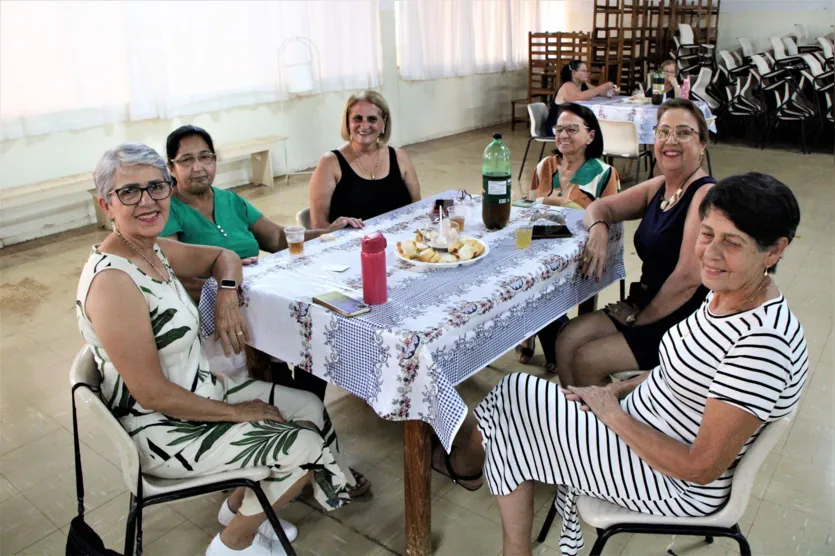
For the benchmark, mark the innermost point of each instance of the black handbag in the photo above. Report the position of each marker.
(82, 540)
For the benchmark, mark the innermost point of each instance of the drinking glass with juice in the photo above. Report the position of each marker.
(524, 236)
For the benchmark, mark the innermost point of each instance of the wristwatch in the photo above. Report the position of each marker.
(229, 284)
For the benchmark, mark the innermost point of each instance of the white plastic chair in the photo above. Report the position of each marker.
(747, 47)
(303, 218)
(538, 115)
(699, 88)
(85, 380)
(610, 519)
(620, 140)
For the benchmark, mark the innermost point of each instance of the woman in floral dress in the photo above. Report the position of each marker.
(144, 332)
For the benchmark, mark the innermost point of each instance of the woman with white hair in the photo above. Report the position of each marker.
(144, 332)
(363, 178)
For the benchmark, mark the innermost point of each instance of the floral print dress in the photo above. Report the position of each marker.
(174, 448)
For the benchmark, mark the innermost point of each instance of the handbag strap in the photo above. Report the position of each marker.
(79, 476)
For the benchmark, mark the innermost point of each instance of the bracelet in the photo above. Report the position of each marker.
(596, 222)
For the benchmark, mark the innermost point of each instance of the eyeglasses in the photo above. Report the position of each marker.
(187, 160)
(132, 194)
(572, 129)
(461, 195)
(683, 133)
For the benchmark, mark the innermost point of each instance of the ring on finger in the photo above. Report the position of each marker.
(239, 333)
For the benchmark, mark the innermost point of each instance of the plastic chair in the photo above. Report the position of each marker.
(620, 140)
(699, 88)
(538, 114)
(710, 121)
(85, 380)
(303, 218)
(610, 519)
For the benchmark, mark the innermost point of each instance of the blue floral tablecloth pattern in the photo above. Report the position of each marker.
(438, 328)
(644, 115)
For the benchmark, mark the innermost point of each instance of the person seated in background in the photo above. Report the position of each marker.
(672, 88)
(144, 330)
(205, 215)
(363, 178)
(573, 177)
(625, 335)
(669, 441)
(574, 86)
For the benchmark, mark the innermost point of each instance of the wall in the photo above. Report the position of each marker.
(757, 21)
(421, 110)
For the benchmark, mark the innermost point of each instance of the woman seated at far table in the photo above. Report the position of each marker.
(572, 178)
(625, 336)
(574, 86)
(205, 215)
(672, 88)
(363, 178)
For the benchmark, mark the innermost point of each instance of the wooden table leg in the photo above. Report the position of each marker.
(587, 306)
(417, 456)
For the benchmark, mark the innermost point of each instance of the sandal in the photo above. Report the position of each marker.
(459, 480)
(362, 486)
(525, 350)
(551, 368)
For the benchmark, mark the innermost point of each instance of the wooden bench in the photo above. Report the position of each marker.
(258, 150)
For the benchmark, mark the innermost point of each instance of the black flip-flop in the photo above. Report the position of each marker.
(456, 478)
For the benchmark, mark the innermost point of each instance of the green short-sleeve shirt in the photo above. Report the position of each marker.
(233, 217)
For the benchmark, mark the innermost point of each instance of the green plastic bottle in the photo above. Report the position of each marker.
(496, 181)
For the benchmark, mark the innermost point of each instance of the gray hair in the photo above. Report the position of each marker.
(126, 154)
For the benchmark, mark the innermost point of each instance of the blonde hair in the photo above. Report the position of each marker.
(377, 100)
(666, 63)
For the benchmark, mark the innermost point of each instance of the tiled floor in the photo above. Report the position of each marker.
(792, 511)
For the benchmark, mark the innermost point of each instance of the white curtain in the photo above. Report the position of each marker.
(447, 38)
(76, 64)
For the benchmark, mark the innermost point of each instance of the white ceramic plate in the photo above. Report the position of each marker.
(422, 264)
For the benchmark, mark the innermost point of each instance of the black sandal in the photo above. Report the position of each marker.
(456, 478)
(525, 350)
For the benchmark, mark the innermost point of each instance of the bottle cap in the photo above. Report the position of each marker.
(374, 243)
(497, 135)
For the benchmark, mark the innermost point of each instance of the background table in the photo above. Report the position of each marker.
(438, 328)
(643, 115)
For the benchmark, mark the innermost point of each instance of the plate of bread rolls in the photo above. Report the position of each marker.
(462, 251)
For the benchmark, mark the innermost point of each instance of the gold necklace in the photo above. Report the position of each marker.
(357, 160)
(170, 280)
(668, 203)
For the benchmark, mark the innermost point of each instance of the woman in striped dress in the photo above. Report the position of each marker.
(667, 442)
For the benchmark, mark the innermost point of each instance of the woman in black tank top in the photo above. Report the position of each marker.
(364, 178)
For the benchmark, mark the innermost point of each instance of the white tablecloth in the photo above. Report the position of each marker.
(439, 326)
(643, 115)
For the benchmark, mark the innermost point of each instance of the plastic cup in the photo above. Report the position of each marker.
(524, 236)
(295, 239)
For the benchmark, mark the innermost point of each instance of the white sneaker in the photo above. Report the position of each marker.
(225, 515)
(261, 546)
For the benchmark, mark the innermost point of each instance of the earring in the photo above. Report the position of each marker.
(113, 225)
(765, 272)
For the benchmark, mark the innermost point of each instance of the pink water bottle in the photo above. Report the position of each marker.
(685, 87)
(374, 287)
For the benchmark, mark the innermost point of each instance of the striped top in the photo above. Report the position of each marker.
(755, 360)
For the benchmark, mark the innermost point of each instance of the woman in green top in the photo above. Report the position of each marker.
(205, 215)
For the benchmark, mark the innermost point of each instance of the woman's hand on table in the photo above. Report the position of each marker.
(230, 327)
(345, 222)
(249, 260)
(594, 253)
(601, 400)
(620, 311)
(256, 410)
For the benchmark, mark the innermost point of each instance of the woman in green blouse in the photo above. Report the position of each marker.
(205, 215)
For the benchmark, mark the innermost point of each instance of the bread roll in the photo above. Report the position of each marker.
(408, 249)
(466, 252)
(426, 255)
(448, 258)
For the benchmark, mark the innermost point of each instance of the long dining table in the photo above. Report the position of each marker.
(438, 328)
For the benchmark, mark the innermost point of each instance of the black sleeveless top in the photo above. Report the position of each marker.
(358, 197)
(658, 242)
(553, 113)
